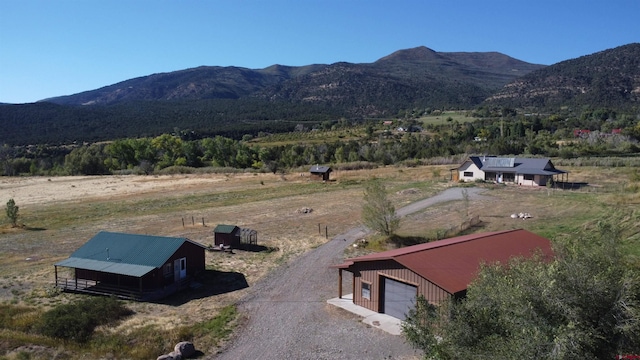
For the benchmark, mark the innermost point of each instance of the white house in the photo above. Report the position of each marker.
(521, 171)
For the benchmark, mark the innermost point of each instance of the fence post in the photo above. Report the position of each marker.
(326, 232)
(202, 221)
(192, 221)
(182, 222)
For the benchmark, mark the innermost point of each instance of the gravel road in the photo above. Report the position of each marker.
(287, 316)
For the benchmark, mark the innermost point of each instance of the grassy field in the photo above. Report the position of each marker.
(271, 205)
(441, 118)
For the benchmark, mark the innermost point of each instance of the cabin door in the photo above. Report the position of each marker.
(179, 269)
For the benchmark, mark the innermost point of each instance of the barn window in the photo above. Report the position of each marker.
(468, 174)
(366, 291)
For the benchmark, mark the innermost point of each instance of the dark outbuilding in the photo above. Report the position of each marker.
(320, 172)
(227, 235)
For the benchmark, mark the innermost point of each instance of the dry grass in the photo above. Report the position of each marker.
(60, 214)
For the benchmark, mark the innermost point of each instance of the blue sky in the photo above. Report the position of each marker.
(60, 47)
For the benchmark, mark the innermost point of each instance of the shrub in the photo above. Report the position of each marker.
(78, 321)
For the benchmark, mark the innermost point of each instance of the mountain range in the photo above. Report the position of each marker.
(412, 77)
(232, 100)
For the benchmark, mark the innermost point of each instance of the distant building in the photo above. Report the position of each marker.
(521, 171)
(320, 172)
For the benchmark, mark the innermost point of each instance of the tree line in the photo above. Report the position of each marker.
(494, 132)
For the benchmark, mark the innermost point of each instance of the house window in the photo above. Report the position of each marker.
(528, 177)
(167, 270)
(366, 291)
(468, 174)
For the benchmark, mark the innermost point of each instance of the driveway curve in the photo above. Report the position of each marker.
(287, 316)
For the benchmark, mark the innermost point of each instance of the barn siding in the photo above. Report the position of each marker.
(195, 257)
(228, 239)
(373, 272)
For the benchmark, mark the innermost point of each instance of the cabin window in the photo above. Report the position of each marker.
(167, 270)
(366, 291)
(468, 174)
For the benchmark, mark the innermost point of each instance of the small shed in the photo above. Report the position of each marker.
(132, 266)
(227, 235)
(320, 172)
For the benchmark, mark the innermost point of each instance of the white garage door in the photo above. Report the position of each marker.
(399, 297)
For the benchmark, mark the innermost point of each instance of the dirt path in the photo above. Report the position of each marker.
(287, 317)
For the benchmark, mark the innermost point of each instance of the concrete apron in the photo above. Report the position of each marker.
(381, 321)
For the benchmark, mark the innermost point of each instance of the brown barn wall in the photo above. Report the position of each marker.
(194, 255)
(226, 239)
(373, 273)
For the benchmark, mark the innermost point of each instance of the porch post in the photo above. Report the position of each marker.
(339, 283)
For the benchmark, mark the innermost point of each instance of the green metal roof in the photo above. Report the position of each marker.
(225, 229)
(106, 266)
(127, 254)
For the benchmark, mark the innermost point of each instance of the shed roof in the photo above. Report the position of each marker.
(453, 263)
(126, 254)
(320, 169)
(225, 229)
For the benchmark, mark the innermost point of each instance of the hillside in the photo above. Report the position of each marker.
(609, 78)
(406, 77)
(233, 101)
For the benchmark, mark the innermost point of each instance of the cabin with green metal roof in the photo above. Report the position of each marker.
(131, 266)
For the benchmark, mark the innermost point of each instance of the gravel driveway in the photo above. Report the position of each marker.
(288, 317)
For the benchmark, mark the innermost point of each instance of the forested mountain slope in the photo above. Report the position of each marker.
(609, 79)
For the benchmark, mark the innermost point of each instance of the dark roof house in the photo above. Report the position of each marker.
(389, 282)
(521, 171)
(132, 266)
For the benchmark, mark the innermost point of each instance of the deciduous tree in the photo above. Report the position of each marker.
(378, 213)
(585, 304)
(12, 212)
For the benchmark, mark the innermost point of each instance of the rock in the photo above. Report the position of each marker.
(185, 349)
(170, 356)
